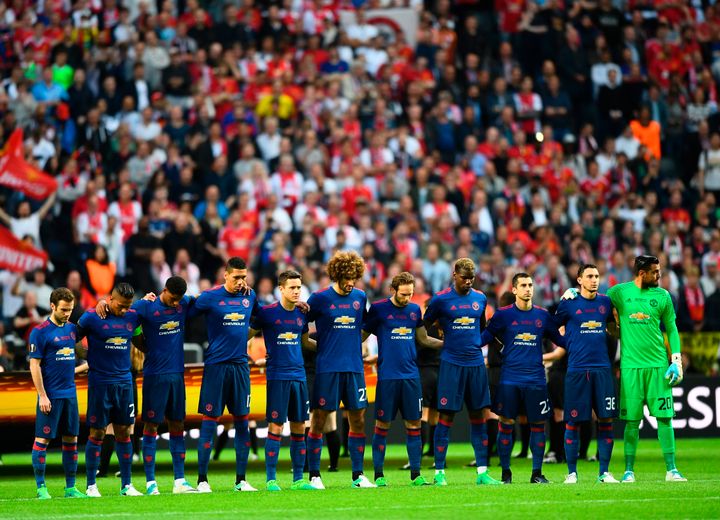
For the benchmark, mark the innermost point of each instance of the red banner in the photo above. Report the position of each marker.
(18, 174)
(16, 255)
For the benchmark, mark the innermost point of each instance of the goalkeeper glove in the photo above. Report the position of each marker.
(674, 373)
(570, 294)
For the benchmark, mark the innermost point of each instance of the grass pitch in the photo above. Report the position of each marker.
(650, 497)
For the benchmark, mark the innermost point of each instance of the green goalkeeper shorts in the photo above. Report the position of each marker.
(645, 386)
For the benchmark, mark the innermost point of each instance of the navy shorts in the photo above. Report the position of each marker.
(332, 387)
(226, 384)
(392, 395)
(63, 419)
(458, 384)
(511, 400)
(429, 379)
(287, 400)
(113, 403)
(163, 397)
(590, 390)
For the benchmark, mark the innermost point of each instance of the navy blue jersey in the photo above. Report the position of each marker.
(109, 342)
(228, 321)
(283, 331)
(585, 323)
(163, 328)
(460, 319)
(55, 348)
(395, 330)
(339, 321)
(521, 333)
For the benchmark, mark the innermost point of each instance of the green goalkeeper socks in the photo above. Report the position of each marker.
(666, 436)
(632, 434)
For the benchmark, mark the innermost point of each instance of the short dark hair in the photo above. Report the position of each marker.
(517, 277)
(61, 294)
(403, 278)
(506, 298)
(584, 267)
(176, 285)
(643, 262)
(290, 274)
(124, 290)
(235, 263)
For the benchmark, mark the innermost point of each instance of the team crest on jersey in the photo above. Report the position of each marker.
(653, 302)
(151, 414)
(356, 305)
(413, 316)
(208, 407)
(46, 429)
(274, 414)
(322, 401)
(178, 309)
(129, 326)
(538, 324)
(443, 401)
(299, 322)
(602, 309)
(72, 335)
(381, 413)
(476, 306)
(573, 413)
(246, 302)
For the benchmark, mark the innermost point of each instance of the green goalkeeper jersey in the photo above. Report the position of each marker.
(640, 312)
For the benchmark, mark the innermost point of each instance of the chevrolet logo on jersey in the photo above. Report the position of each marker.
(170, 325)
(288, 336)
(464, 320)
(234, 316)
(590, 325)
(640, 316)
(67, 351)
(401, 331)
(526, 336)
(344, 320)
(116, 341)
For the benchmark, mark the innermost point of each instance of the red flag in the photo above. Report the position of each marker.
(17, 256)
(17, 173)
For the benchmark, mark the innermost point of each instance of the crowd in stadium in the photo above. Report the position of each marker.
(532, 136)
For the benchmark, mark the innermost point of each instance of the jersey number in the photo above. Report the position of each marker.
(363, 397)
(665, 403)
(132, 409)
(545, 406)
(609, 403)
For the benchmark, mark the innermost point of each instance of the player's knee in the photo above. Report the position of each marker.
(42, 440)
(152, 428)
(410, 424)
(275, 428)
(382, 424)
(98, 434)
(447, 417)
(318, 421)
(297, 428)
(69, 438)
(506, 420)
(357, 422)
(176, 426)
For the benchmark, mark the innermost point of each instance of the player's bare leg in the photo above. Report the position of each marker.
(356, 447)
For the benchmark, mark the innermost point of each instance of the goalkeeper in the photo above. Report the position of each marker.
(645, 377)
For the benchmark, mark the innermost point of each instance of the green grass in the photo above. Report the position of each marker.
(650, 497)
